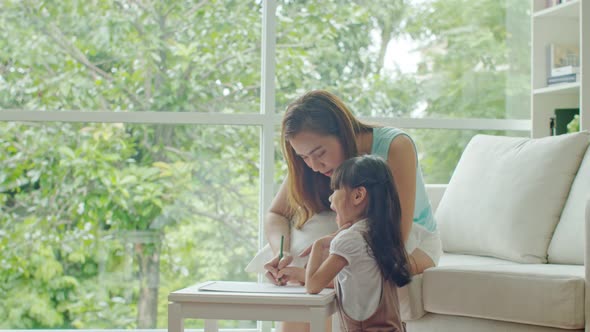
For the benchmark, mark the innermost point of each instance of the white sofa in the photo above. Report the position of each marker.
(512, 224)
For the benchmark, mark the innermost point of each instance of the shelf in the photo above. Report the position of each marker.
(559, 89)
(568, 9)
(567, 24)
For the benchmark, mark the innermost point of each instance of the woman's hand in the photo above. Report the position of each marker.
(275, 265)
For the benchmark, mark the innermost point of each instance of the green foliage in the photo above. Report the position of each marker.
(574, 125)
(102, 221)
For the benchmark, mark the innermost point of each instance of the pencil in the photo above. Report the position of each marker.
(281, 249)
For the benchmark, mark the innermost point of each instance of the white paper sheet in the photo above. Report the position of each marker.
(251, 287)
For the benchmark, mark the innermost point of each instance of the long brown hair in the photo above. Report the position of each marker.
(384, 213)
(322, 113)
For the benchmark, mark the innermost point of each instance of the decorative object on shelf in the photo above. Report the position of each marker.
(563, 63)
(574, 125)
(565, 70)
(563, 116)
(552, 126)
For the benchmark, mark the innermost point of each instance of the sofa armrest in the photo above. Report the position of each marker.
(587, 267)
(435, 193)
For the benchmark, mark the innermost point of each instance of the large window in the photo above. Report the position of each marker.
(139, 139)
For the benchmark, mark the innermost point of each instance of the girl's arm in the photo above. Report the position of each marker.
(402, 162)
(319, 274)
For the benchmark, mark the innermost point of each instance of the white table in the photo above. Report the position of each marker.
(211, 306)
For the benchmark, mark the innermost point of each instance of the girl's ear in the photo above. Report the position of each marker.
(358, 195)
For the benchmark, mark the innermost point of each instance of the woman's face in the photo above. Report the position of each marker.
(321, 153)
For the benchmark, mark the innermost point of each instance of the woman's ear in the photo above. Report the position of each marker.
(358, 195)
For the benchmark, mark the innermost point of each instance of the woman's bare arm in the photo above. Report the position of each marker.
(276, 222)
(402, 162)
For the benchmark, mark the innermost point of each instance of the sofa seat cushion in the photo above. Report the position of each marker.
(538, 294)
(410, 296)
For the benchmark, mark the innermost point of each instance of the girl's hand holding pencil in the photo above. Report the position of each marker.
(278, 270)
(275, 265)
(281, 261)
(289, 273)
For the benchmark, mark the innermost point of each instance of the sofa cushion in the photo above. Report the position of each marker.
(410, 296)
(438, 323)
(506, 195)
(538, 294)
(567, 244)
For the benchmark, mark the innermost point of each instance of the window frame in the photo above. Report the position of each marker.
(267, 119)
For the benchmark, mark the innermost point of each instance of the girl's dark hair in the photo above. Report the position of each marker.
(323, 113)
(384, 235)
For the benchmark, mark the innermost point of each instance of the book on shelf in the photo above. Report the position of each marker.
(569, 78)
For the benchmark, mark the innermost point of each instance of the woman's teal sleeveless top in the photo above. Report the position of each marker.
(382, 138)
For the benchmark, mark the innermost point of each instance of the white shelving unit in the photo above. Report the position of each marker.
(566, 23)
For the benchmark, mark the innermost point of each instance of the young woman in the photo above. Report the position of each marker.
(319, 133)
(369, 258)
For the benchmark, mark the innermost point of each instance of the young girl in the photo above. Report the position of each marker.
(369, 258)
